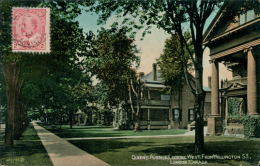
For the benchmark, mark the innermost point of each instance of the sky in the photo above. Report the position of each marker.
(151, 47)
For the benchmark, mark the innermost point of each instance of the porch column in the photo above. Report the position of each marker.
(148, 114)
(252, 83)
(214, 89)
(148, 120)
(226, 115)
(169, 125)
(215, 120)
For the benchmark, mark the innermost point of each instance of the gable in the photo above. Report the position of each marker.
(221, 24)
(212, 25)
(227, 23)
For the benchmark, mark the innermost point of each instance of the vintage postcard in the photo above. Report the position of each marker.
(98, 83)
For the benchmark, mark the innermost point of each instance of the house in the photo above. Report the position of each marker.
(236, 44)
(160, 110)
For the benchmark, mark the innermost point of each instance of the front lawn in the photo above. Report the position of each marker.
(147, 151)
(94, 131)
(27, 151)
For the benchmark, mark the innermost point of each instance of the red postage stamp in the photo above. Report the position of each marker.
(31, 30)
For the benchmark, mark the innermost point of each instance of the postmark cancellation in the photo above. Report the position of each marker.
(31, 30)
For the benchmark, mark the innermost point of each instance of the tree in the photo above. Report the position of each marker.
(115, 54)
(137, 90)
(170, 16)
(66, 38)
(11, 67)
(171, 64)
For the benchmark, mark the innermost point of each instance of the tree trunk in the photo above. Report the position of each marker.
(20, 117)
(17, 121)
(200, 97)
(61, 119)
(11, 79)
(25, 117)
(70, 119)
(199, 126)
(137, 123)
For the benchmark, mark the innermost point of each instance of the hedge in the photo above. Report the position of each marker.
(251, 125)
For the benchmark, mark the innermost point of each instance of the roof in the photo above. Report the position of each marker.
(149, 77)
(213, 23)
(149, 82)
(155, 85)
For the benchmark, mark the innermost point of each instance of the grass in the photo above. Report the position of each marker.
(27, 151)
(93, 131)
(140, 151)
(125, 151)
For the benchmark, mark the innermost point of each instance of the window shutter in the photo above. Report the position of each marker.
(188, 115)
(180, 114)
(173, 114)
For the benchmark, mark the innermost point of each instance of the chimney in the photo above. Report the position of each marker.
(154, 71)
(141, 74)
(209, 82)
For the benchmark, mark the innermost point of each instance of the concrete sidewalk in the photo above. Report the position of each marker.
(63, 153)
(193, 132)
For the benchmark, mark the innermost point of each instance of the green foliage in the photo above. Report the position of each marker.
(98, 117)
(233, 107)
(233, 110)
(235, 118)
(124, 126)
(115, 54)
(100, 122)
(170, 16)
(57, 80)
(95, 117)
(171, 64)
(251, 126)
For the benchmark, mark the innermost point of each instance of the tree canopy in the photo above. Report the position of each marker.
(115, 56)
(32, 79)
(170, 16)
(171, 65)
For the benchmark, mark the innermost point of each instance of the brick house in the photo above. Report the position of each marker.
(236, 44)
(165, 111)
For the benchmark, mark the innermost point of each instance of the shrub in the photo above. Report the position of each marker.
(235, 118)
(251, 125)
(100, 122)
(124, 126)
(94, 118)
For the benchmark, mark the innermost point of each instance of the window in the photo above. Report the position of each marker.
(191, 114)
(176, 114)
(242, 19)
(248, 16)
